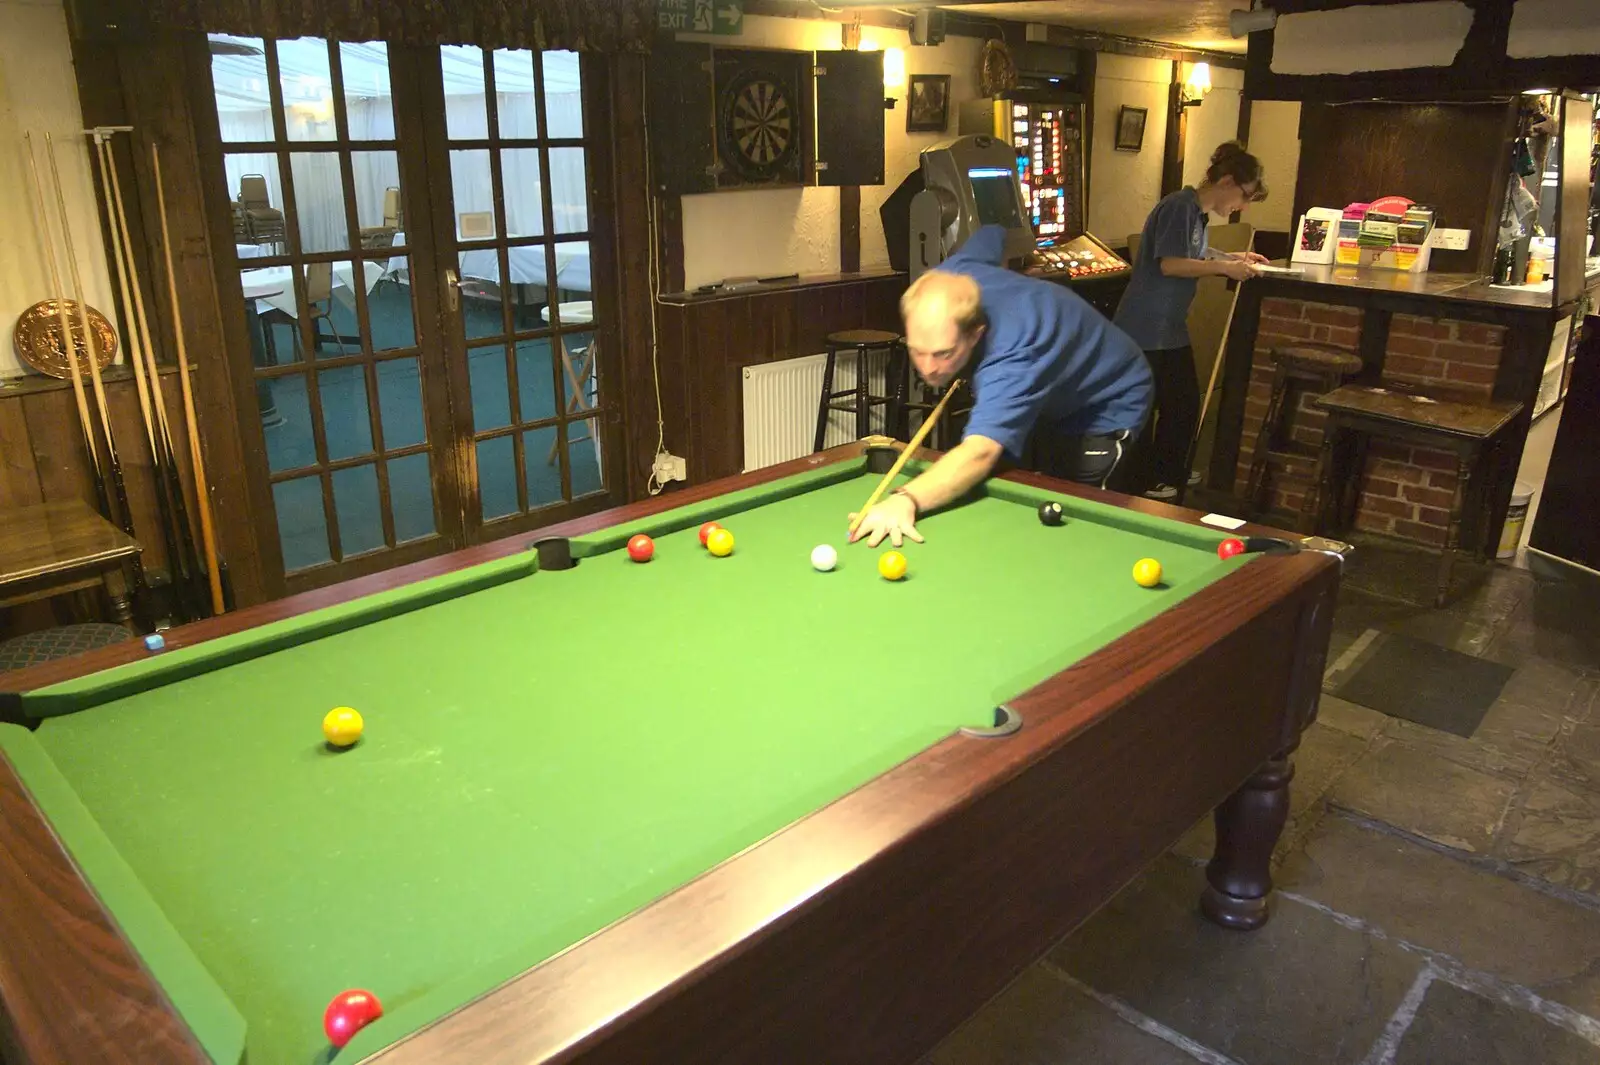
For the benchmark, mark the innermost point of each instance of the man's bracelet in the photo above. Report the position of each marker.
(916, 508)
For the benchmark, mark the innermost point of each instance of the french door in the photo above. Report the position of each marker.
(412, 230)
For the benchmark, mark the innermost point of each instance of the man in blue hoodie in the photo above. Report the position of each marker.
(1056, 387)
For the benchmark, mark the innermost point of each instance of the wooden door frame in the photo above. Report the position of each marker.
(598, 133)
(210, 150)
(152, 83)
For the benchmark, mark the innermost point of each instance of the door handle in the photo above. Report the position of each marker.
(452, 290)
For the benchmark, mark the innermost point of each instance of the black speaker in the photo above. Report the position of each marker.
(927, 26)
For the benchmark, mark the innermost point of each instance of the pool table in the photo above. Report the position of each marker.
(708, 809)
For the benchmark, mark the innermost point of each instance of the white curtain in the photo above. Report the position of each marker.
(243, 115)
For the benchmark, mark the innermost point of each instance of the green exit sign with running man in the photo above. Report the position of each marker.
(725, 17)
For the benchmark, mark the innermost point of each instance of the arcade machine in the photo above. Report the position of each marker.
(1046, 136)
(962, 184)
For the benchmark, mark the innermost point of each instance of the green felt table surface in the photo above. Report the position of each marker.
(547, 751)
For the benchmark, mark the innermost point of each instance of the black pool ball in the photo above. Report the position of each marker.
(1050, 513)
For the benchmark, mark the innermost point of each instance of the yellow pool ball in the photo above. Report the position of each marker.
(720, 543)
(892, 564)
(1147, 573)
(342, 726)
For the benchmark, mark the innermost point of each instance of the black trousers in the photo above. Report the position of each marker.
(1164, 444)
(1102, 461)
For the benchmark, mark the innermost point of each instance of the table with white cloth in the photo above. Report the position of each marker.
(270, 290)
(527, 264)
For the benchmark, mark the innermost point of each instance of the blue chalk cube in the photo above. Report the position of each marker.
(154, 642)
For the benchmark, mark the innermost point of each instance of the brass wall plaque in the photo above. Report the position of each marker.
(37, 339)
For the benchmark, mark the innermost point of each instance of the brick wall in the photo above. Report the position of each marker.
(1405, 491)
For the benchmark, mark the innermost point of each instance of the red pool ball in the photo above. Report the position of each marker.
(1230, 547)
(348, 1013)
(641, 548)
(706, 530)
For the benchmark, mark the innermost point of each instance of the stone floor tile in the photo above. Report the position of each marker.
(1324, 753)
(1509, 747)
(1303, 988)
(1041, 1019)
(1577, 755)
(1350, 718)
(1555, 835)
(1454, 1026)
(1559, 621)
(1483, 920)
(1425, 794)
(1543, 683)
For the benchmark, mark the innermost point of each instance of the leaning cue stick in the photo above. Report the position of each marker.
(905, 456)
(68, 347)
(141, 590)
(1216, 367)
(201, 485)
(180, 540)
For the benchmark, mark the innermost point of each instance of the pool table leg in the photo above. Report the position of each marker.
(1249, 822)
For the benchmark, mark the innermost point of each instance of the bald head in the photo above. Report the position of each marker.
(943, 315)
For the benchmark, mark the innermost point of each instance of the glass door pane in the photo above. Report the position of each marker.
(524, 322)
(312, 166)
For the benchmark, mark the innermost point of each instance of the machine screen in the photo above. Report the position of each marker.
(994, 191)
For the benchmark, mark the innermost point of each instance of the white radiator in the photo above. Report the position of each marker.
(780, 406)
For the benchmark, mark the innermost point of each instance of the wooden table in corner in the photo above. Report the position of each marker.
(51, 549)
(1472, 432)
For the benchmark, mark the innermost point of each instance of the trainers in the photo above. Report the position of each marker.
(1162, 492)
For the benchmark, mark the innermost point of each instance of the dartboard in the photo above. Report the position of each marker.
(758, 127)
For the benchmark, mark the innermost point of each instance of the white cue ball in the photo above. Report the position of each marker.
(824, 558)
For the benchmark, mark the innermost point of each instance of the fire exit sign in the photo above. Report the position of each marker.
(701, 16)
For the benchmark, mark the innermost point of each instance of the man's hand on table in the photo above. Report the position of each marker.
(894, 517)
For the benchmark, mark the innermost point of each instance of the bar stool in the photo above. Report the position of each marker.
(1306, 367)
(865, 343)
(948, 431)
(47, 645)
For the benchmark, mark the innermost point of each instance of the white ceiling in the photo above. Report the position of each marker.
(1190, 23)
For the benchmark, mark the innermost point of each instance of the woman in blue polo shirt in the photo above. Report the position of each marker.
(1155, 308)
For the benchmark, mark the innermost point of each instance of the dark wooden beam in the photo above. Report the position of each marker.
(669, 243)
(1088, 65)
(1066, 37)
(850, 195)
(1242, 133)
(967, 24)
(1177, 129)
(633, 353)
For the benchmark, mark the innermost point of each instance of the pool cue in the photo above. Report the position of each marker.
(102, 136)
(68, 347)
(186, 536)
(191, 424)
(1205, 402)
(188, 560)
(905, 456)
(140, 590)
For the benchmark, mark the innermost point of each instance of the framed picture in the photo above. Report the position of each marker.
(928, 103)
(1130, 128)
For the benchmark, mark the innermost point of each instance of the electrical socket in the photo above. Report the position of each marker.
(669, 467)
(1452, 239)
